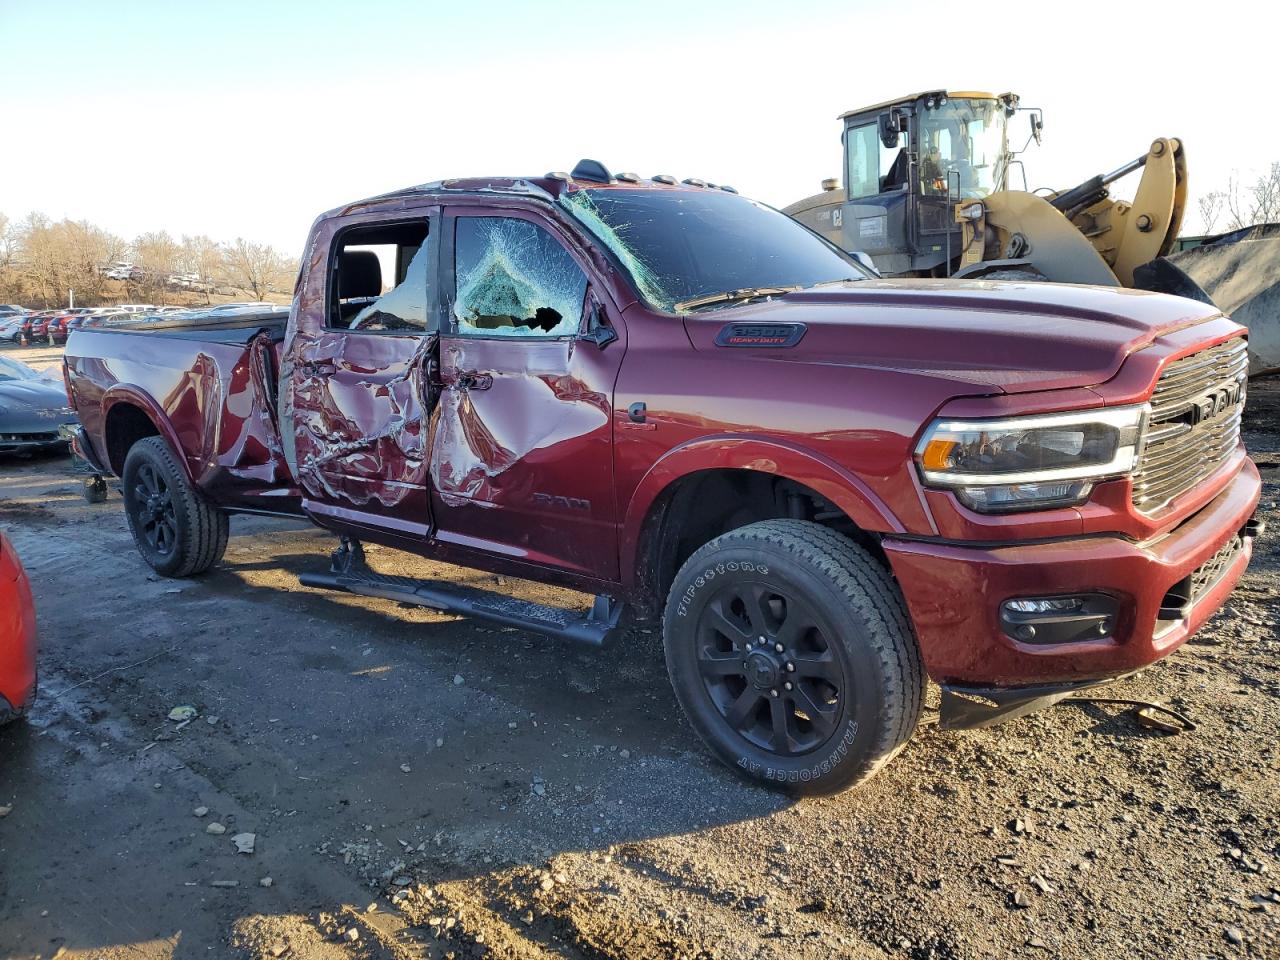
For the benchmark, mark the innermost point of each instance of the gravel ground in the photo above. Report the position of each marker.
(420, 786)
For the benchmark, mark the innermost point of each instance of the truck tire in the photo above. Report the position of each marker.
(791, 654)
(175, 529)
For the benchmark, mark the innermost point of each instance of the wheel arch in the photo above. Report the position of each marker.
(129, 414)
(702, 489)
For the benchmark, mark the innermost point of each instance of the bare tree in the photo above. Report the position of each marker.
(157, 255)
(256, 267)
(1259, 203)
(63, 256)
(1210, 205)
(203, 257)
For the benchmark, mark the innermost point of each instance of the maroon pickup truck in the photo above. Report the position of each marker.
(829, 486)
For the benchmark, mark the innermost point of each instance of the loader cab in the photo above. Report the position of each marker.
(906, 164)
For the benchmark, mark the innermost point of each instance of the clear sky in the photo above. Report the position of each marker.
(248, 118)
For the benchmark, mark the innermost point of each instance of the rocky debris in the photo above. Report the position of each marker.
(215, 828)
(244, 842)
(5, 810)
(1234, 936)
(183, 713)
(265, 882)
(225, 883)
(200, 812)
(458, 680)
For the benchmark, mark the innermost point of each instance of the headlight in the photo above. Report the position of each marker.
(1029, 463)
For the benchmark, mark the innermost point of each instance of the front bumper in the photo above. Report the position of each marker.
(31, 442)
(954, 593)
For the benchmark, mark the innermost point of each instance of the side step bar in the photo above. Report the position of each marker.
(350, 573)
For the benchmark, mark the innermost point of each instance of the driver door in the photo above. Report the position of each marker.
(522, 447)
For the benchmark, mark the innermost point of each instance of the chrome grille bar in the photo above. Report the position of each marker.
(1194, 423)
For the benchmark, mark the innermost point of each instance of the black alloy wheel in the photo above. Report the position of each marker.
(768, 667)
(792, 655)
(153, 510)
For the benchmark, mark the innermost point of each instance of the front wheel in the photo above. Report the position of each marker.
(792, 656)
(175, 529)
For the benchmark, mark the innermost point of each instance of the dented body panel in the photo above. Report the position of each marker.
(211, 399)
(491, 426)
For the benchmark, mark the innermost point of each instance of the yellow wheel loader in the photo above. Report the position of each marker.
(927, 192)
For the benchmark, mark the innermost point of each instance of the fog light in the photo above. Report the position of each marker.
(1052, 605)
(1066, 619)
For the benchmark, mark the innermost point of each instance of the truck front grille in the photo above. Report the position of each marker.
(1206, 576)
(1187, 592)
(1194, 423)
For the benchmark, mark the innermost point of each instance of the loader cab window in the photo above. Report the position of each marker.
(514, 279)
(380, 281)
(872, 168)
(962, 142)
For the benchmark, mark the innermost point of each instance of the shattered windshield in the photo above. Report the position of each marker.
(680, 245)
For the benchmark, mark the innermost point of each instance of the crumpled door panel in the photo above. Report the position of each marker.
(360, 419)
(524, 461)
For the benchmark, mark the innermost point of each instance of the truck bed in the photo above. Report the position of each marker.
(208, 385)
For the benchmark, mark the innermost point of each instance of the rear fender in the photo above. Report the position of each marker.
(137, 397)
(775, 457)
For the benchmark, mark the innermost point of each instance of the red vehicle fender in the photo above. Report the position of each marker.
(136, 396)
(777, 457)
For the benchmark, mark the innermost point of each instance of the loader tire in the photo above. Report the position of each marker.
(177, 531)
(792, 656)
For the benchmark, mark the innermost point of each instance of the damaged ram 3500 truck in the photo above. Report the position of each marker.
(829, 486)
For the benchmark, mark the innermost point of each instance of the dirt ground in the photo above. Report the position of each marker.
(419, 786)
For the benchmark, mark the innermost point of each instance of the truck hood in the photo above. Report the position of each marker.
(1007, 336)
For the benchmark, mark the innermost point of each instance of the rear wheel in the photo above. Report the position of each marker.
(175, 529)
(792, 656)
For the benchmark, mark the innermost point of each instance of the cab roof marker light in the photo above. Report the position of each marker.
(694, 182)
(663, 178)
(628, 177)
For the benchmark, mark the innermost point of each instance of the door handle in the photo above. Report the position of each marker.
(472, 380)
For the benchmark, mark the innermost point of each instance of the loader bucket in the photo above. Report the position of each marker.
(1241, 272)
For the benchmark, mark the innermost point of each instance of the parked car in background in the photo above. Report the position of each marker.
(7, 309)
(27, 325)
(10, 326)
(41, 331)
(33, 408)
(122, 271)
(17, 636)
(134, 307)
(57, 327)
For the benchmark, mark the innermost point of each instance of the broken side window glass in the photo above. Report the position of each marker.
(382, 279)
(514, 279)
